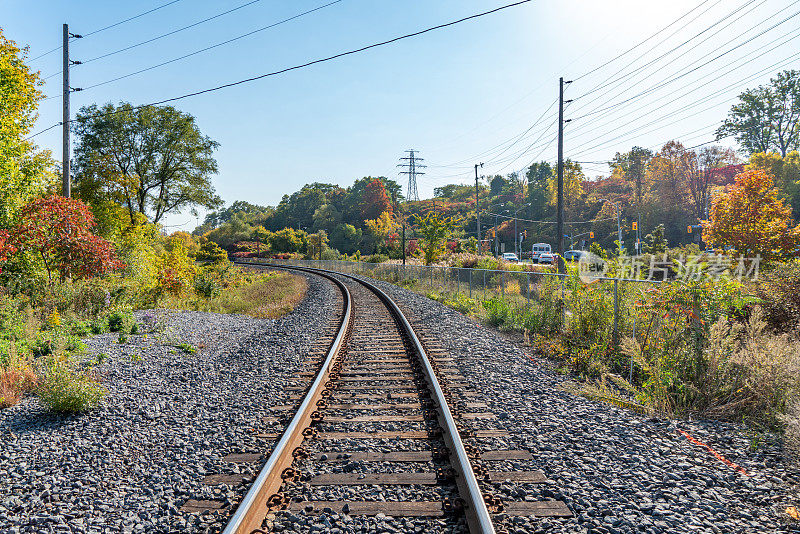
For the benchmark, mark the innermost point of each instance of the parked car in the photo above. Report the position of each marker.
(574, 255)
(510, 257)
(538, 249)
(547, 257)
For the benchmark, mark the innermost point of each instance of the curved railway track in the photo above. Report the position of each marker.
(381, 411)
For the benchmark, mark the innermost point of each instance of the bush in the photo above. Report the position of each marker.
(376, 258)
(64, 389)
(119, 321)
(498, 311)
(207, 286)
(15, 382)
(779, 290)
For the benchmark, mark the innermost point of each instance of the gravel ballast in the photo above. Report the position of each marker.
(618, 472)
(168, 421)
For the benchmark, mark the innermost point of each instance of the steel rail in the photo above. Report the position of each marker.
(250, 513)
(478, 517)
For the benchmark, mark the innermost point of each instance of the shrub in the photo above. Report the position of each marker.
(64, 389)
(15, 382)
(498, 311)
(117, 321)
(211, 252)
(779, 290)
(376, 258)
(207, 286)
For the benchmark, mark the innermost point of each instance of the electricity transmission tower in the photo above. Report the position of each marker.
(411, 164)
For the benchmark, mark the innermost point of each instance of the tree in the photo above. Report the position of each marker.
(317, 243)
(785, 172)
(287, 240)
(766, 118)
(573, 184)
(58, 231)
(631, 166)
(375, 200)
(152, 160)
(752, 219)
(24, 170)
(655, 242)
(433, 230)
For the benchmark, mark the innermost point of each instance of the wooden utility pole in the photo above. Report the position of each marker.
(66, 185)
(477, 209)
(560, 215)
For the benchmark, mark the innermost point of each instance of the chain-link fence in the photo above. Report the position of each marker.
(543, 301)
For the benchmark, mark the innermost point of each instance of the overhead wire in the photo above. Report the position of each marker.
(156, 38)
(111, 26)
(328, 58)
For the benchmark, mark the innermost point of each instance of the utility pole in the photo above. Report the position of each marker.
(560, 198)
(411, 166)
(66, 185)
(477, 209)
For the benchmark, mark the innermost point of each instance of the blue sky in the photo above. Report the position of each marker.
(461, 95)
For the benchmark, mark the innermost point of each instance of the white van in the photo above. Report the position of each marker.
(537, 249)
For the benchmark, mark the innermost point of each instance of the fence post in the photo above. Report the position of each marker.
(470, 283)
(458, 280)
(615, 335)
(503, 283)
(484, 284)
(528, 287)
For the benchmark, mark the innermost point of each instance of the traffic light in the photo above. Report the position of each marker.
(591, 235)
(526, 234)
(689, 229)
(635, 226)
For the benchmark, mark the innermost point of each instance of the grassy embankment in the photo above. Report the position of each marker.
(41, 348)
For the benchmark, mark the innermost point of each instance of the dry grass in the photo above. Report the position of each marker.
(268, 297)
(15, 382)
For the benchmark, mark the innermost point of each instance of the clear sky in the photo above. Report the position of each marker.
(461, 95)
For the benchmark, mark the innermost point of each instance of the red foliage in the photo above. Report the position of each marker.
(393, 240)
(6, 248)
(412, 247)
(375, 200)
(451, 245)
(725, 175)
(59, 231)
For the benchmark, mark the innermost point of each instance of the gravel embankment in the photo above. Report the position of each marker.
(168, 421)
(617, 471)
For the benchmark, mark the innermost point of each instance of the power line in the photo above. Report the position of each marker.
(104, 28)
(228, 41)
(644, 41)
(668, 80)
(636, 131)
(703, 87)
(173, 32)
(329, 58)
(111, 26)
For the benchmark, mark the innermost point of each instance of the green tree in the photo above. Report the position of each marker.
(288, 240)
(433, 230)
(153, 160)
(655, 242)
(631, 166)
(766, 118)
(538, 176)
(25, 171)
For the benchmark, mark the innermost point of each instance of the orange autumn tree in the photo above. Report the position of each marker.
(752, 219)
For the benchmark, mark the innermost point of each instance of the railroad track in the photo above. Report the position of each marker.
(376, 408)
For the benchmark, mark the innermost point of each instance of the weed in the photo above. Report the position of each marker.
(15, 382)
(498, 311)
(134, 329)
(123, 338)
(187, 348)
(100, 358)
(116, 321)
(65, 389)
